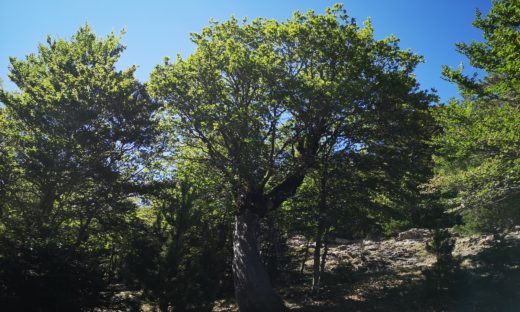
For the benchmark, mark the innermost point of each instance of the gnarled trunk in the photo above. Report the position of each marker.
(253, 289)
(274, 250)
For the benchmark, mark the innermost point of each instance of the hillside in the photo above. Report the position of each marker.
(399, 275)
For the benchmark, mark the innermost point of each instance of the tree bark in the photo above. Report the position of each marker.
(317, 256)
(325, 252)
(253, 289)
(322, 210)
(305, 255)
(275, 252)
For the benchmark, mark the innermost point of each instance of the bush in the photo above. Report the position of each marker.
(444, 277)
(48, 277)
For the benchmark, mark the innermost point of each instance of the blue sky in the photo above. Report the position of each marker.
(156, 29)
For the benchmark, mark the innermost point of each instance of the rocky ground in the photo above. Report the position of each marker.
(398, 274)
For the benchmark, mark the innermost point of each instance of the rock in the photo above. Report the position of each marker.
(453, 233)
(414, 234)
(467, 263)
(297, 240)
(341, 241)
(404, 254)
(370, 246)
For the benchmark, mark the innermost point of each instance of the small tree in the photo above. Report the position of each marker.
(175, 253)
(441, 245)
(478, 149)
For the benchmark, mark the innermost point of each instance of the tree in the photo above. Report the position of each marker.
(261, 100)
(372, 192)
(7, 160)
(79, 130)
(478, 161)
(496, 55)
(175, 252)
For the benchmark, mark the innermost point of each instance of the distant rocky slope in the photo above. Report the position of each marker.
(406, 251)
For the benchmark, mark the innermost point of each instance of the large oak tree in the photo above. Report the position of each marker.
(261, 100)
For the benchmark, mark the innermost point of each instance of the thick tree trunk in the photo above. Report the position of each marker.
(275, 250)
(253, 289)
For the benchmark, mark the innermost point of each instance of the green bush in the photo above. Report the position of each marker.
(441, 245)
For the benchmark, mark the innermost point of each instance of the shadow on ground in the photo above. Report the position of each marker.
(488, 281)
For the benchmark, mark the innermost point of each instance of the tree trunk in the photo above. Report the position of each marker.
(305, 256)
(325, 252)
(253, 289)
(322, 210)
(317, 256)
(163, 305)
(274, 251)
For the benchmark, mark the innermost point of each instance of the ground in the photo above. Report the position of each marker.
(399, 275)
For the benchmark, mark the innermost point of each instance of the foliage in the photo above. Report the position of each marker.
(262, 98)
(478, 150)
(264, 101)
(444, 276)
(496, 55)
(308, 126)
(176, 253)
(441, 245)
(74, 136)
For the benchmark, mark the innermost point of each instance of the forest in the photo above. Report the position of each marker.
(269, 170)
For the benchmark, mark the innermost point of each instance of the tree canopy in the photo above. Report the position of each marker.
(262, 100)
(73, 138)
(479, 146)
(183, 190)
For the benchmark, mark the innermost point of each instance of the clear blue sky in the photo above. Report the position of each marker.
(156, 29)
